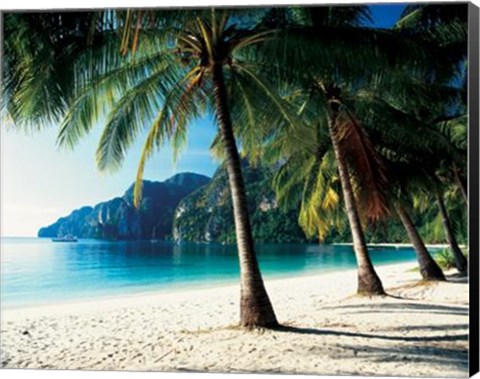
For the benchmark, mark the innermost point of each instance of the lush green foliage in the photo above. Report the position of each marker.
(206, 215)
(445, 259)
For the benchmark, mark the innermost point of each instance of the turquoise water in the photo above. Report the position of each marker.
(37, 271)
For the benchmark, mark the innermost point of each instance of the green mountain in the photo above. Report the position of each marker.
(118, 219)
(206, 215)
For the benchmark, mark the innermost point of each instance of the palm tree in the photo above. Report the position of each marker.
(341, 54)
(439, 109)
(318, 198)
(217, 48)
(438, 149)
(377, 106)
(444, 30)
(38, 74)
(429, 269)
(308, 176)
(451, 171)
(443, 225)
(368, 280)
(347, 60)
(166, 79)
(311, 164)
(460, 260)
(333, 34)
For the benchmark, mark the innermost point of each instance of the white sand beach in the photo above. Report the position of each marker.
(421, 330)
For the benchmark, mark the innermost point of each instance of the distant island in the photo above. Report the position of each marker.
(118, 219)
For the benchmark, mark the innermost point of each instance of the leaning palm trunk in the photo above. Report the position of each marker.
(462, 186)
(460, 260)
(429, 269)
(368, 281)
(255, 307)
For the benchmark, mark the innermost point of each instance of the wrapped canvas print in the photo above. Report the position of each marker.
(253, 189)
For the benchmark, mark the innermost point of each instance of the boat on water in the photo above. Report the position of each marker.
(154, 236)
(67, 238)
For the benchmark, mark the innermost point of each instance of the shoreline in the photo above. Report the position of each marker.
(399, 245)
(183, 288)
(371, 245)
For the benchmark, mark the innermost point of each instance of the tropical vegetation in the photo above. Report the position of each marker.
(362, 126)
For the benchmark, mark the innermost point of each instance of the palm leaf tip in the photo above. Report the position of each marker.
(147, 151)
(137, 193)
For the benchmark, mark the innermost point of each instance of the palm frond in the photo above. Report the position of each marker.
(40, 76)
(372, 178)
(180, 106)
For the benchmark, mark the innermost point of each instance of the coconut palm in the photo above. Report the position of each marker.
(308, 174)
(444, 31)
(417, 163)
(460, 260)
(451, 173)
(342, 56)
(166, 79)
(305, 168)
(404, 155)
(443, 226)
(38, 74)
(439, 110)
(429, 269)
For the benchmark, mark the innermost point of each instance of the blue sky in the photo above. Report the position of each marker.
(40, 183)
(385, 15)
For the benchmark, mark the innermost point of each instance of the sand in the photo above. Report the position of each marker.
(421, 330)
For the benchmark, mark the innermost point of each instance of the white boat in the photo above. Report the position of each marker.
(154, 237)
(67, 238)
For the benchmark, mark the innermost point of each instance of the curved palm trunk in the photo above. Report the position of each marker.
(255, 307)
(460, 260)
(429, 269)
(368, 281)
(461, 185)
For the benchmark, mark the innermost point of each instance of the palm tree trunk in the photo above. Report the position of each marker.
(462, 185)
(368, 281)
(255, 307)
(429, 269)
(460, 260)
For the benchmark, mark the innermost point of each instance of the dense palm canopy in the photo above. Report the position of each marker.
(336, 72)
(398, 94)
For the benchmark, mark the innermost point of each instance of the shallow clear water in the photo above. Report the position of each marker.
(36, 271)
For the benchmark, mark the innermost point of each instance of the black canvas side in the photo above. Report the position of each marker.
(473, 99)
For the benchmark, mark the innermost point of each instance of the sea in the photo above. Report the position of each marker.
(37, 271)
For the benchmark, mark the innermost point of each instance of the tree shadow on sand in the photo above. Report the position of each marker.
(403, 308)
(430, 327)
(326, 332)
(457, 278)
(440, 350)
(435, 355)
